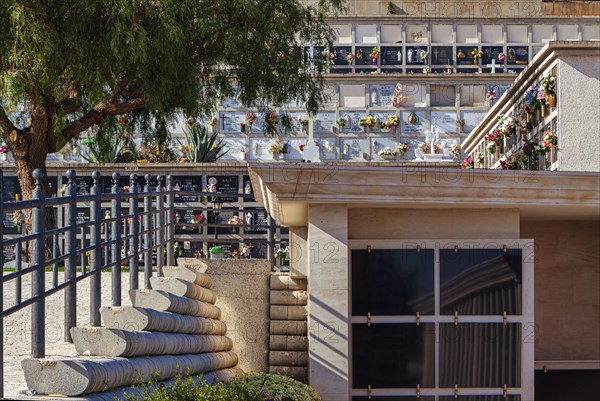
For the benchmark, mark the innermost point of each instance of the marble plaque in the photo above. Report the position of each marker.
(327, 148)
(294, 115)
(230, 122)
(234, 147)
(444, 121)
(353, 119)
(354, 149)
(324, 122)
(381, 95)
(259, 149)
(294, 148)
(378, 143)
(472, 118)
(410, 128)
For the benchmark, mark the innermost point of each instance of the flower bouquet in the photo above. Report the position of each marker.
(455, 150)
(277, 147)
(402, 148)
(477, 54)
(271, 120)
(374, 55)
(388, 153)
(393, 121)
(303, 121)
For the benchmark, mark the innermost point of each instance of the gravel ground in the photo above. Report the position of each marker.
(17, 332)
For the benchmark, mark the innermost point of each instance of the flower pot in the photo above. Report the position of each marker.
(218, 255)
(3, 157)
(551, 99)
(543, 110)
(419, 153)
(475, 61)
(388, 157)
(275, 155)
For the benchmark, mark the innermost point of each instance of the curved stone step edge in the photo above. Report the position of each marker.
(288, 312)
(288, 358)
(288, 343)
(299, 373)
(188, 274)
(288, 327)
(102, 341)
(183, 288)
(121, 392)
(166, 301)
(77, 376)
(132, 318)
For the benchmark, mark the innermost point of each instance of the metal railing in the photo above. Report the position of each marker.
(137, 229)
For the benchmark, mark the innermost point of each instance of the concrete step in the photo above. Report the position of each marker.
(288, 343)
(136, 392)
(288, 327)
(113, 342)
(288, 358)
(183, 288)
(285, 282)
(143, 319)
(288, 312)
(188, 274)
(299, 373)
(76, 376)
(288, 297)
(164, 301)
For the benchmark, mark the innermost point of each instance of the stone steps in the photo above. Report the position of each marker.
(288, 341)
(171, 329)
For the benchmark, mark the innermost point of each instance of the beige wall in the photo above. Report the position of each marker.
(579, 113)
(471, 8)
(242, 288)
(567, 289)
(432, 224)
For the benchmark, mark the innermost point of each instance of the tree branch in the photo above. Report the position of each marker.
(68, 106)
(6, 126)
(99, 114)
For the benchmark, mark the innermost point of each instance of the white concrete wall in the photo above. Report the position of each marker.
(579, 113)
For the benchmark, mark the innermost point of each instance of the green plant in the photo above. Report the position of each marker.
(216, 249)
(265, 386)
(202, 147)
(391, 10)
(110, 144)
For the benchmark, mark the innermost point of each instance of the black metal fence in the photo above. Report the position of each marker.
(138, 226)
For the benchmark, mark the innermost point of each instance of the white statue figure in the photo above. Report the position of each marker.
(255, 148)
(399, 56)
(346, 149)
(249, 218)
(409, 55)
(374, 96)
(329, 147)
(247, 188)
(432, 137)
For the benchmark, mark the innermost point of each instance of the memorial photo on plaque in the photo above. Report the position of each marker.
(226, 184)
(464, 56)
(518, 55)
(187, 183)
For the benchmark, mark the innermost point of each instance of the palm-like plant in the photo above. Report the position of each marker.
(202, 147)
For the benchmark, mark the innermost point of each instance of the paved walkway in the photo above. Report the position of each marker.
(17, 327)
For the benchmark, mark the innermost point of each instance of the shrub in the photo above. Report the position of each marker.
(265, 386)
(249, 387)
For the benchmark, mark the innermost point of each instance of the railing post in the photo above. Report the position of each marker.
(71, 261)
(160, 232)
(147, 229)
(2, 289)
(170, 222)
(38, 258)
(96, 253)
(271, 240)
(117, 245)
(134, 232)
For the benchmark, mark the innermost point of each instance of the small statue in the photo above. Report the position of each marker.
(409, 55)
(247, 188)
(255, 148)
(399, 56)
(329, 147)
(374, 96)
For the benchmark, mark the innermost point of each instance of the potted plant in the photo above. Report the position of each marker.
(250, 119)
(546, 91)
(3, 152)
(199, 219)
(216, 252)
(281, 254)
(341, 122)
(303, 121)
(235, 220)
(374, 55)
(277, 148)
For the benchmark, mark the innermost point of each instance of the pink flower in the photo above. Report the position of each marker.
(541, 95)
(501, 56)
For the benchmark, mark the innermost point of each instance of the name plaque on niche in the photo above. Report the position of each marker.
(381, 95)
(230, 122)
(324, 122)
(391, 55)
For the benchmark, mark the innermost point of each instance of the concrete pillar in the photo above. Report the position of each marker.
(143, 319)
(299, 251)
(328, 301)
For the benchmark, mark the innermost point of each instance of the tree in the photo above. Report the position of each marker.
(68, 65)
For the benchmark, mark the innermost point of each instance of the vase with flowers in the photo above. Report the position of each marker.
(477, 55)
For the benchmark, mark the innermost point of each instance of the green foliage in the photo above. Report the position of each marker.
(202, 148)
(110, 144)
(391, 10)
(266, 386)
(251, 387)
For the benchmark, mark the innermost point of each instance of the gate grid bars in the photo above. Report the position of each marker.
(140, 224)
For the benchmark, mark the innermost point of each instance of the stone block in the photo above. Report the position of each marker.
(288, 327)
(288, 358)
(76, 376)
(190, 274)
(285, 282)
(288, 312)
(183, 288)
(101, 341)
(143, 319)
(165, 301)
(299, 373)
(288, 343)
(287, 297)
